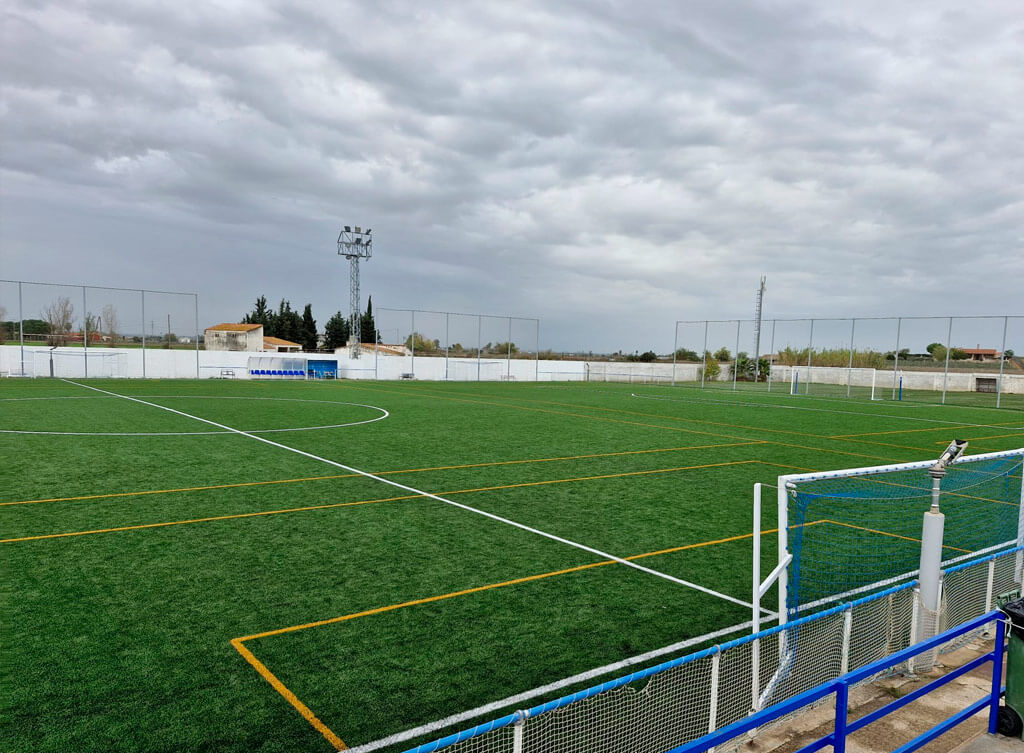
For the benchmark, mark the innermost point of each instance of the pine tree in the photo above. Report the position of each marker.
(309, 339)
(336, 331)
(367, 327)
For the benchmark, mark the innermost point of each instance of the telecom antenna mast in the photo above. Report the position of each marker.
(757, 331)
(354, 244)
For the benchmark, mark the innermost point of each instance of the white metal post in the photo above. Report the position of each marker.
(85, 334)
(736, 356)
(990, 597)
(536, 360)
(143, 292)
(756, 591)
(704, 356)
(716, 661)
(479, 342)
(810, 349)
(21, 330)
(196, 295)
(412, 342)
(1002, 362)
(447, 344)
(844, 662)
(508, 360)
(949, 347)
(771, 358)
(931, 558)
(896, 362)
(849, 367)
(675, 349)
(783, 538)
(1019, 565)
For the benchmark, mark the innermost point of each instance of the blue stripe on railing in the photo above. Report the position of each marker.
(619, 682)
(982, 560)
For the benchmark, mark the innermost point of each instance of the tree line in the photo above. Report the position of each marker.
(287, 324)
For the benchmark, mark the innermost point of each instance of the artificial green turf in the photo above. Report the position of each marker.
(121, 640)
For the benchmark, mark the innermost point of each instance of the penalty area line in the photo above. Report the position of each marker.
(420, 492)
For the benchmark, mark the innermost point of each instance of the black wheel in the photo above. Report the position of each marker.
(1009, 723)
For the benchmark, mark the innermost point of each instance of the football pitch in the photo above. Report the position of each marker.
(282, 566)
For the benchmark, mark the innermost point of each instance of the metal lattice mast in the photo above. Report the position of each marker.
(757, 330)
(354, 244)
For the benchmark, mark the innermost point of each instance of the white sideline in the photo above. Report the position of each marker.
(512, 700)
(397, 485)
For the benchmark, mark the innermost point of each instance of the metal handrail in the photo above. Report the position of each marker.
(841, 687)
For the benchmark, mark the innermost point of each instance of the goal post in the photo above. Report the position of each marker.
(848, 532)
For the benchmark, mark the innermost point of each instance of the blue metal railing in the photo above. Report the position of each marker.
(841, 688)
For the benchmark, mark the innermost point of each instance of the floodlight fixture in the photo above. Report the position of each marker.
(348, 229)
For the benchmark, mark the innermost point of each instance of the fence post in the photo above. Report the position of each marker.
(990, 597)
(716, 661)
(21, 331)
(849, 367)
(412, 342)
(675, 349)
(196, 296)
(842, 702)
(479, 342)
(896, 362)
(736, 356)
(1002, 362)
(517, 734)
(447, 343)
(704, 355)
(810, 349)
(771, 358)
(949, 347)
(997, 676)
(143, 292)
(536, 361)
(844, 666)
(508, 361)
(85, 334)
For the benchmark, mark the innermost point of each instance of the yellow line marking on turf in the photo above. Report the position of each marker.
(650, 426)
(893, 535)
(384, 473)
(288, 695)
(369, 501)
(324, 730)
(994, 436)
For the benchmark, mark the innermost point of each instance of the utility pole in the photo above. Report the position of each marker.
(757, 330)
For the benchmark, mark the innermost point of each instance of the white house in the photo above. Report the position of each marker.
(234, 337)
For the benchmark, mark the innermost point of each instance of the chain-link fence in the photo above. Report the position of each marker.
(448, 346)
(683, 699)
(968, 360)
(80, 331)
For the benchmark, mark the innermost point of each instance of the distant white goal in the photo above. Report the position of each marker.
(79, 363)
(829, 381)
(471, 370)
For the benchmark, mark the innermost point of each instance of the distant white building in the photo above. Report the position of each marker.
(279, 345)
(234, 337)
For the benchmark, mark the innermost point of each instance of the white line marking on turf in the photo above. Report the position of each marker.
(397, 485)
(384, 414)
(825, 410)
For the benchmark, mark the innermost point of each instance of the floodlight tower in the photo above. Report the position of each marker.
(354, 244)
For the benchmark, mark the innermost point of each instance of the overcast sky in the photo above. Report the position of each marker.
(608, 167)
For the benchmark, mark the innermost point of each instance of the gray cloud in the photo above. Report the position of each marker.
(607, 167)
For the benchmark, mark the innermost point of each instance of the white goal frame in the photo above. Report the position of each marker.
(780, 576)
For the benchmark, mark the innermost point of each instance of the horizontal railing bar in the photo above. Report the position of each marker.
(924, 690)
(939, 729)
(806, 698)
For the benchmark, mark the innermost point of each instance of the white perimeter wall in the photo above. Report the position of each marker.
(184, 364)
